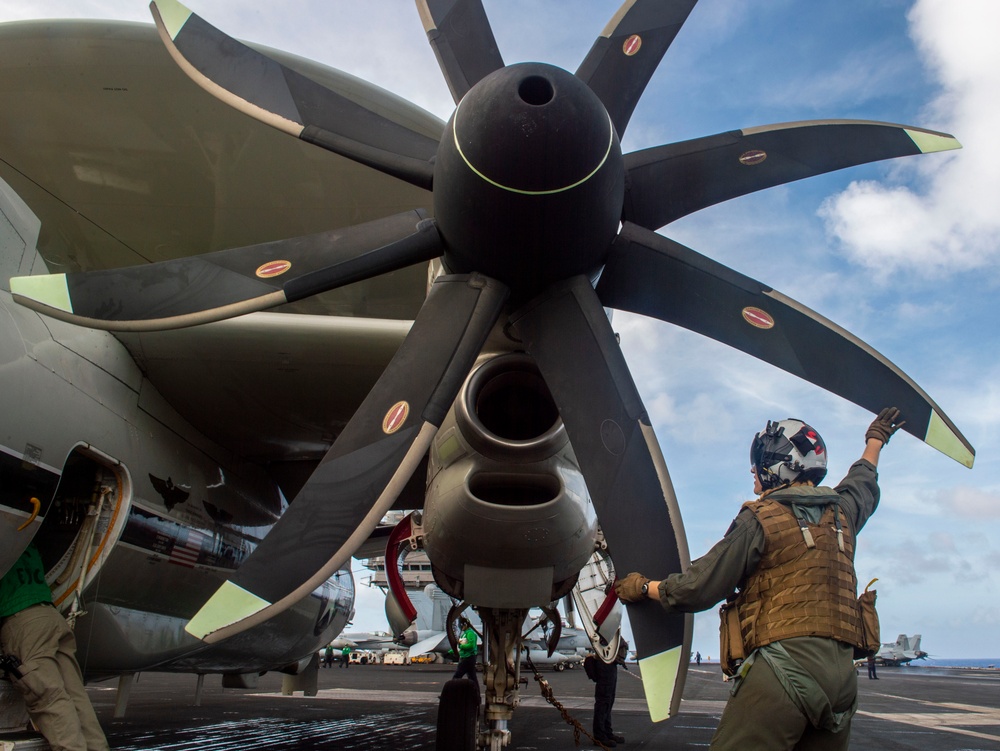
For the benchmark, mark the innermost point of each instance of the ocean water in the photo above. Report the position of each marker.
(948, 662)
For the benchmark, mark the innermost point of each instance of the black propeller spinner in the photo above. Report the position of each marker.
(530, 189)
(529, 179)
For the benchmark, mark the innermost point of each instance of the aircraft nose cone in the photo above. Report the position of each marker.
(533, 128)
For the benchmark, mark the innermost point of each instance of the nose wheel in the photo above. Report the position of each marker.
(458, 716)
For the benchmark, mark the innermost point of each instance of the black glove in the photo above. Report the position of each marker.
(885, 425)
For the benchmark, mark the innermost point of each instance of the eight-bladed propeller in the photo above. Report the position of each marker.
(530, 189)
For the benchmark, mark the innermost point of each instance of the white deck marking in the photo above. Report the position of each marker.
(949, 722)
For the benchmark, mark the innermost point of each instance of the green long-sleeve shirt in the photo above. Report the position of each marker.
(468, 643)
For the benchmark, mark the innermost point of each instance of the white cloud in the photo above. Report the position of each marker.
(938, 213)
(912, 560)
(970, 503)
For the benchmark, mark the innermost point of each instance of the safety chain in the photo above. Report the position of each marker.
(549, 696)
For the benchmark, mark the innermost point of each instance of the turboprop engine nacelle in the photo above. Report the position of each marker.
(507, 520)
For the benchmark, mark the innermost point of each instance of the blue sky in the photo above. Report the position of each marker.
(903, 254)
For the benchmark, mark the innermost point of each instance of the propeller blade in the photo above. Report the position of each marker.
(211, 287)
(278, 96)
(363, 473)
(668, 182)
(652, 275)
(570, 337)
(628, 51)
(462, 40)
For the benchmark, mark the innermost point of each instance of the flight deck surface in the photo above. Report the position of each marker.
(383, 707)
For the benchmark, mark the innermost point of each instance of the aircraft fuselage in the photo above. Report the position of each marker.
(130, 497)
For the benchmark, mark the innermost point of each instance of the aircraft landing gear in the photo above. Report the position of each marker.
(458, 727)
(502, 630)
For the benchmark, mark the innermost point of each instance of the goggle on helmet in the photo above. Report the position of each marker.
(788, 451)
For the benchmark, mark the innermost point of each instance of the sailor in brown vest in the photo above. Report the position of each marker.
(789, 557)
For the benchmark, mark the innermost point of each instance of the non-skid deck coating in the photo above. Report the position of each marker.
(375, 708)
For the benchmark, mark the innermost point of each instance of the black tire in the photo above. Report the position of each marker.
(458, 716)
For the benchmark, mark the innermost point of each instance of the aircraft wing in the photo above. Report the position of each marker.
(109, 143)
(270, 386)
(429, 644)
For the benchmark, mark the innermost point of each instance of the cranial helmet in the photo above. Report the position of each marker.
(788, 451)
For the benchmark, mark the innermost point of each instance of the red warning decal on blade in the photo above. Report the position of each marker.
(632, 45)
(757, 317)
(273, 268)
(752, 157)
(395, 417)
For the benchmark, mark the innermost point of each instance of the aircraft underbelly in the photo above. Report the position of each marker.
(115, 639)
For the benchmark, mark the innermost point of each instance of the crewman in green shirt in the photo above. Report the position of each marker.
(468, 648)
(790, 555)
(43, 665)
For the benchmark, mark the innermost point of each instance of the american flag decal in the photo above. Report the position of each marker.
(186, 553)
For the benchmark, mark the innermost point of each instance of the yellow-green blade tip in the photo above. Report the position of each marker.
(929, 142)
(230, 604)
(173, 14)
(49, 290)
(659, 679)
(943, 438)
